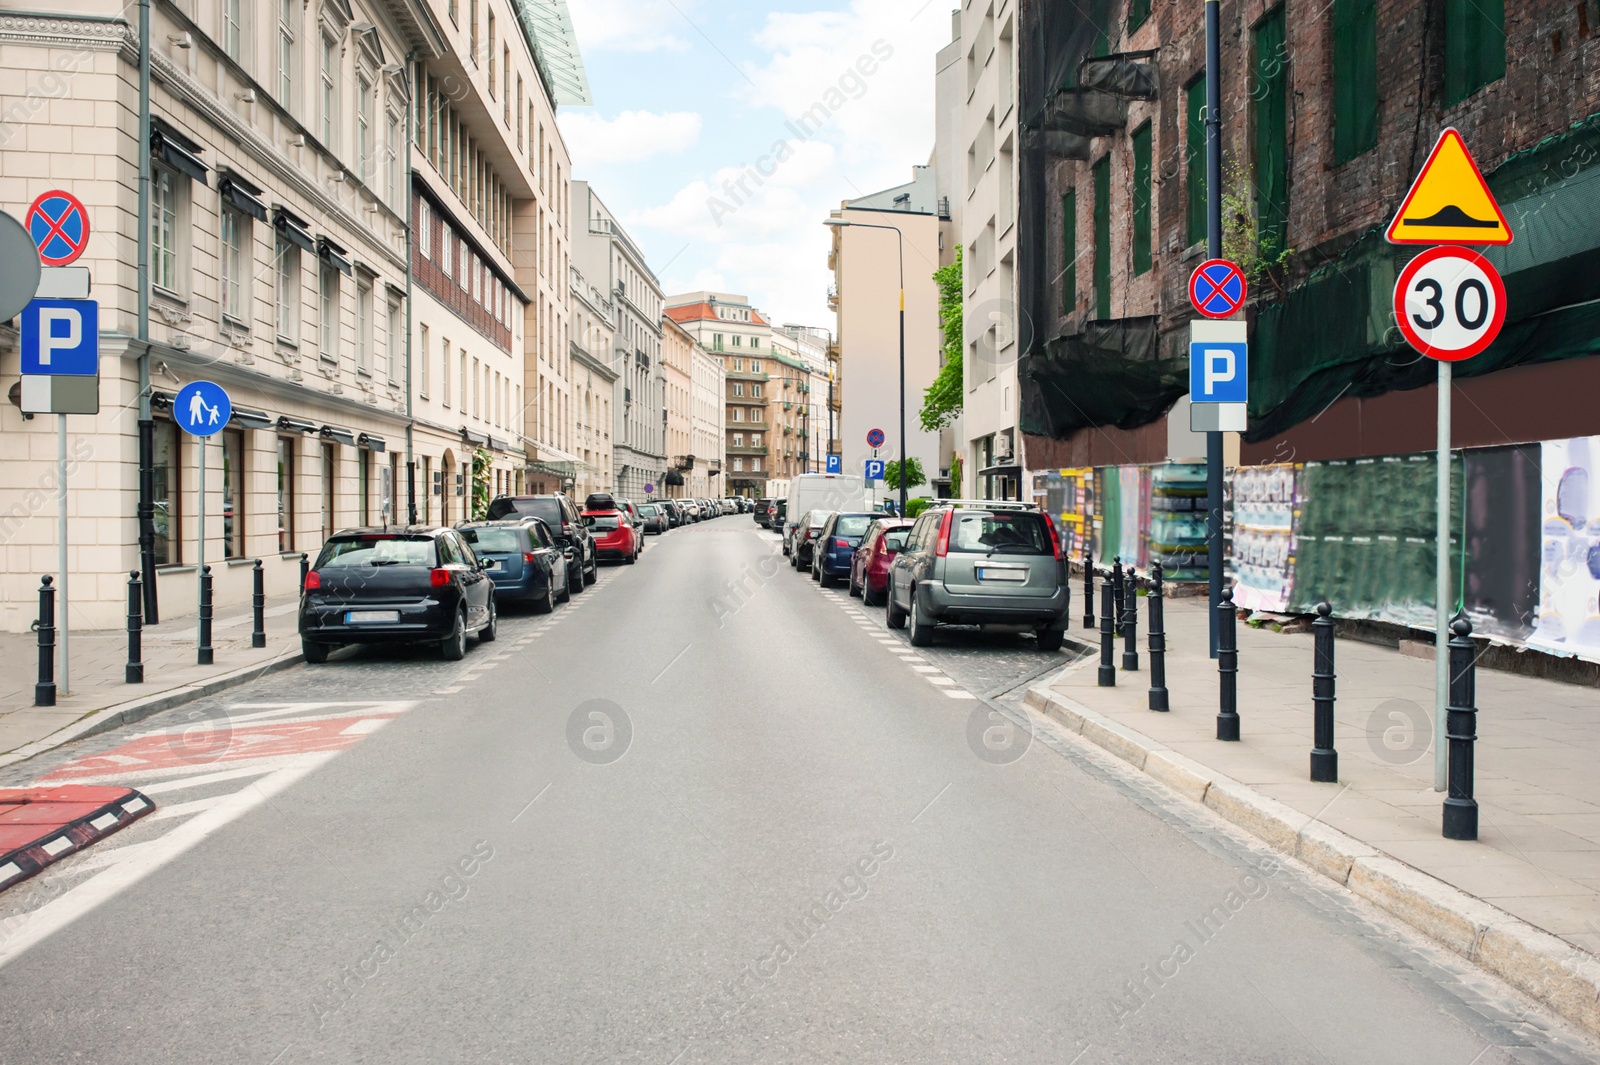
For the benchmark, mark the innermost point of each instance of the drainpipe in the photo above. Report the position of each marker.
(147, 425)
(411, 133)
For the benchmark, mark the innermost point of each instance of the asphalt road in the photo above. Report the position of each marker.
(786, 837)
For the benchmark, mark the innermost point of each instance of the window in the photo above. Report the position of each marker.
(738, 440)
(463, 382)
(392, 340)
(472, 29)
(755, 364)
(233, 493)
(716, 341)
(364, 325)
(491, 56)
(1069, 251)
(330, 93)
(738, 388)
(1138, 12)
(330, 473)
(755, 342)
(1474, 46)
(233, 28)
(755, 390)
(364, 486)
(328, 310)
(1355, 78)
(1102, 238)
(235, 279)
(391, 159)
(1270, 102)
(738, 365)
(737, 414)
(423, 346)
(737, 340)
(444, 369)
(285, 493)
(287, 296)
(164, 229)
(287, 18)
(167, 495)
(427, 489)
(1141, 199)
(364, 129)
(477, 390)
(1195, 159)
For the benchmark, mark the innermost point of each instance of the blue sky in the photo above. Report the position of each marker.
(699, 137)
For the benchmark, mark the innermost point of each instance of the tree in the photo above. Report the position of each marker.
(914, 475)
(941, 402)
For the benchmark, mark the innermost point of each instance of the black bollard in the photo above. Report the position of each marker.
(1228, 668)
(1088, 589)
(1108, 670)
(1158, 644)
(133, 672)
(44, 692)
(1116, 594)
(1130, 622)
(258, 601)
(1461, 727)
(1324, 759)
(305, 568)
(205, 616)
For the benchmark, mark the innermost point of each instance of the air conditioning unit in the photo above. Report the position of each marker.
(1004, 450)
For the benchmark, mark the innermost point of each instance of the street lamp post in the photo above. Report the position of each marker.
(900, 247)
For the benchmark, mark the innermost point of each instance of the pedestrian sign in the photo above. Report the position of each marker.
(1450, 203)
(202, 408)
(61, 338)
(874, 469)
(59, 226)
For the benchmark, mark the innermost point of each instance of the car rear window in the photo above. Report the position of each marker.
(548, 509)
(895, 540)
(602, 522)
(1008, 533)
(493, 541)
(852, 525)
(648, 508)
(376, 551)
(819, 519)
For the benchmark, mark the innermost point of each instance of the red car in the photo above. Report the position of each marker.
(869, 567)
(614, 535)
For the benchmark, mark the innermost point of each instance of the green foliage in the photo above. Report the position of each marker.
(916, 506)
(914, 474)
(941, 402)
(482, 463)
(1242, 241)
(956, 464)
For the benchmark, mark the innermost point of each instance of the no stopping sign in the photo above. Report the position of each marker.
(1450, 303)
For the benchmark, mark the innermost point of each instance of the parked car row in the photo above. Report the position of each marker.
(961, 562)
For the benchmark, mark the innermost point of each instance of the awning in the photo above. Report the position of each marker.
(1011, 470)
(475, 439)
(296, 425)
(564, 470)
(252, 419)
(673, 479)
(334, 255)
(160, 400)
(343, 436)
(293, 228)
(242, 194)
(547, 453)
(496, 444)
(176, 150)
(370, 442)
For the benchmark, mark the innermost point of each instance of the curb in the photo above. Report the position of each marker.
(116, 715)
(62, 821)
(1535, 962)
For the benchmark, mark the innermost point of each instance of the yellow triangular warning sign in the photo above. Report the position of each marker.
(1450, 203)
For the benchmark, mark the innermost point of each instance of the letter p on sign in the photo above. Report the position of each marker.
(1219, 367)
(60, 328)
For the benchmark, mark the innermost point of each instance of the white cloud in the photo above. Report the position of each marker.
(733, 206)
(631, 137)
(629, 25)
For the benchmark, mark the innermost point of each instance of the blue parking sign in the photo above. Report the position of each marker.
(1218, 371)
(202, 408)
(835, 464)
(61, 338)
(874, 469)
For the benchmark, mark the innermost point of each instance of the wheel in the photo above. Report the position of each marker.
(315, 653)
(566, 590)
(1050, 639)
(795, 560)
(454, 646)
(816, 570)
(591, 574)
(867, 598)
(855, 589)
(633, 556)
(547, 602)
(491, 628)
(892, 616)
(921, 631)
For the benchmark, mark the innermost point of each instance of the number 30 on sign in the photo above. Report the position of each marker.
(1450, 303)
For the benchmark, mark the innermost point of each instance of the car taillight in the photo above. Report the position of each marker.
(840, 543)
(438, 578)
(527, 556)
(313, 581)
(944, 533)
(1055, 539)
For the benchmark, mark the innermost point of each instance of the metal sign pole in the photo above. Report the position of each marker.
(63, 687)
(200, 553)
(1214, 486)
(1444, 601)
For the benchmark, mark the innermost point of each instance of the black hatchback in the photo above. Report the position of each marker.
(411, 584)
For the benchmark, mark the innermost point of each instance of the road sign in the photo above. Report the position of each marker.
(1218, 363)
(59, 394)
(59, 226)
(1217, 288)
(202, 408)
(19, 267)
(649, 488)
(874, 469)
(1450, 203)
(1450, 303)
(61, 338)
(835, 464)
(874, 437)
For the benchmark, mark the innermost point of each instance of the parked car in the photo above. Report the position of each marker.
(980, 562)
(563, 519)
(654, 517)
(410, 584)
(869, 566)
(523, 561)
(614, 535)
(836, 544)
(777, 511)
(806, 532)
(669, 509)
(761, 511)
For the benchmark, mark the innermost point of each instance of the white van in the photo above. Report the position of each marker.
(825, 491)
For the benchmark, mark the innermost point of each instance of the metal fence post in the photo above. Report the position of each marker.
(305, 568)
(1108, 670)
(205, 655)
(133, 673)
(1088, 589)
(1228, 668)
(258, 603)
(1460, 808)
(1116, 594)
(1158, 643)
(1324, 759)
(1130, 622)
(44, 692)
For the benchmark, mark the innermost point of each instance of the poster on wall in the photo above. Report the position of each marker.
(1568, 621)
(1263, 536)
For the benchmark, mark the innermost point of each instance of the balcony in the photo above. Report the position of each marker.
(746, 450)
(748, 427)
(744, 375)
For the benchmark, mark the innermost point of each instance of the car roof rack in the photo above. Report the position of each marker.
(990, 504)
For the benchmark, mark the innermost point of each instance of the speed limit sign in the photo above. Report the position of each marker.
(1450, 303)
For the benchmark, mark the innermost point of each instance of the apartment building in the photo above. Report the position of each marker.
(594, 383)
(677, 358)
(739, 338)
(801, 384)
(705, 478)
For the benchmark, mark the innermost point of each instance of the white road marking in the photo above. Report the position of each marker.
(926, 669)
(364, 726)
(104, 821)
(265, 766)
(957, 694)
(56, 846)
(940, 680)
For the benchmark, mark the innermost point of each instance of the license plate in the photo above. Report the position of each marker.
(369, 617)
(989, 573)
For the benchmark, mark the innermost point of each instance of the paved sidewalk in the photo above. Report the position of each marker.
(1538, 852)
(98, 659)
